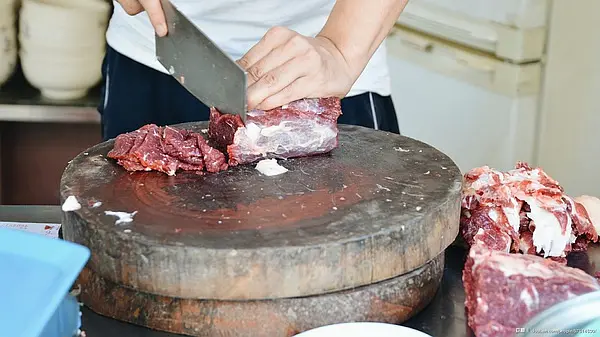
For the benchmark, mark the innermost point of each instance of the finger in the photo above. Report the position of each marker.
(273, 38)
(296, 45)
(277, 79)
(131, 7)
(156, 15)
(296, 90)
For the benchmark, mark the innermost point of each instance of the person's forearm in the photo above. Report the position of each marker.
(358, 27)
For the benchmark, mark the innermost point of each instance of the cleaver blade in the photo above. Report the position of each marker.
(196, 62)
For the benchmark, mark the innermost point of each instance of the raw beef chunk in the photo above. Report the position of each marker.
(214, 159)
(301, 128)
(504, 291)
(530, 207)
(493, 239)
(167, 150)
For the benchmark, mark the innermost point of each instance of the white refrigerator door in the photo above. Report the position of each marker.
(468, 106)
(510, 29)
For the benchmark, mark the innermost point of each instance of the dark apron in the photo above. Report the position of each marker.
(134, 95)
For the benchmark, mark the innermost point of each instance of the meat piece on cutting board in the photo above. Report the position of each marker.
(504, 291)
(167, 150)
(531, 208)
(301, 128)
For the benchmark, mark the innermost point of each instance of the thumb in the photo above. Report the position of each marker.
(156, 15)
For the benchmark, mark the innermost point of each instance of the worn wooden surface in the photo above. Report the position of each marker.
(391, 301)
(377, 207)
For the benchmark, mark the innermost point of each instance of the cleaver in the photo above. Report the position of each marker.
(200, 65)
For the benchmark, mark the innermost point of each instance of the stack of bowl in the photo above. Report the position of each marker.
(62, 45)
(8, 38)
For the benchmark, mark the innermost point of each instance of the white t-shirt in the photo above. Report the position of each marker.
(237, 25)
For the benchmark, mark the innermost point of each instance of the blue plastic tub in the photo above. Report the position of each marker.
(36, 274)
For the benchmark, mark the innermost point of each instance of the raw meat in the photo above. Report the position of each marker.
(301, 128)
(167, 150)
(504, 291)
(527, 205)
(493, 239)
(592, 207)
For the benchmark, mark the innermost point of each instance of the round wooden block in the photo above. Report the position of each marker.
(377, 207)
(392, 301)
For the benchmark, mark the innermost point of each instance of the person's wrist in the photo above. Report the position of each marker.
(340, 57)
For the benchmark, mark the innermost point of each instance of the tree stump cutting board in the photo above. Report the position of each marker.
(392, 301)
(379, 206)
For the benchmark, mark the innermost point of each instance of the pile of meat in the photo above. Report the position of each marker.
(520, 226)
(302, 128)
(167, 150)
(526, 211)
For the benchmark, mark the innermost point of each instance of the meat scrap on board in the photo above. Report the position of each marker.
(529, 207)
(302, 128)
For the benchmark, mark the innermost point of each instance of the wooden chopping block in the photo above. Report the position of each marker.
(392, 301)
(377, 207)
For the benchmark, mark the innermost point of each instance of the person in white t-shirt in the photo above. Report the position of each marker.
(290, 49)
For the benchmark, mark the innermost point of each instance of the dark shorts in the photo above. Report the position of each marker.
(134, 95)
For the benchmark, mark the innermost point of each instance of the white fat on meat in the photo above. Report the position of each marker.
(531, 298)
(270, 167)
(527, 266)
(71, 204)
(511, 213)
(122, 217)
(548, 234)
(592, 207)
(275, 139)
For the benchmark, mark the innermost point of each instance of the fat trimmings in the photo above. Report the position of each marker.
(122, 217)
(71, 204)
(269, 167)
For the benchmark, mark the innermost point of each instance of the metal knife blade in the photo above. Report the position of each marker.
(200, 65)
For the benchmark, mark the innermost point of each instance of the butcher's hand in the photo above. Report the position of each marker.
(154, 10)
(285, 66)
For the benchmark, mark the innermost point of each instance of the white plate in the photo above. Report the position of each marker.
(363, 329)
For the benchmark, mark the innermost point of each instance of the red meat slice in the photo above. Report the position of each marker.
(165, 150)
(182, 145)
(504, 291)
(214, 159)
(301, 128)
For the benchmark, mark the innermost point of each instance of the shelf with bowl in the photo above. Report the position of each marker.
(21, 102)
(56, 67)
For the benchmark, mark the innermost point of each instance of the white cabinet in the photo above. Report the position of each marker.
(509, 29)
(476, 109)
(516, 13)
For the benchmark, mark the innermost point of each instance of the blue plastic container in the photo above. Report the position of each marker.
(36, 273)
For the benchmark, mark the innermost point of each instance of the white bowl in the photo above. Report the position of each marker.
(31, 31)
(67, 12)
(64, 77)
(69, 47)
(8, 53)
(64, 21)
(362, 329)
